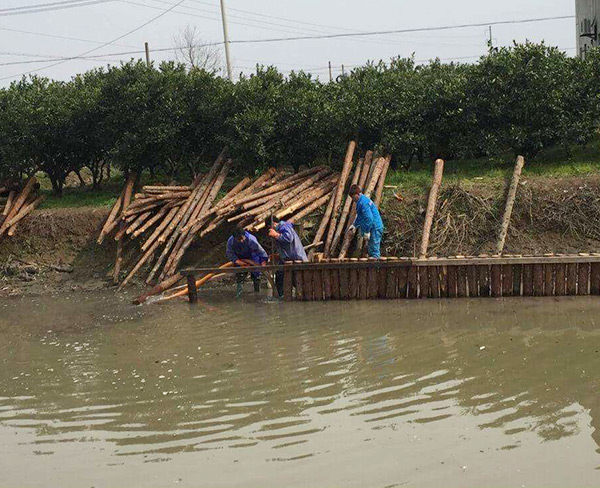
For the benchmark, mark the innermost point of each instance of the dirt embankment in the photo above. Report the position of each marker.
(56, 250)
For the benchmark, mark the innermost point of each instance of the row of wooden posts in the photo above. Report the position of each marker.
(395, 278)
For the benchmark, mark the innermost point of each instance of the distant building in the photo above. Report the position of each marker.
(588, 18)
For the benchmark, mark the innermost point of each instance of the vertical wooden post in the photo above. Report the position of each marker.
(548, 280)
(423, 281)
(192, 291)
(344, 281)
(288, 283)
(527, 280)
(496, 279)
(307, 279)
(517, 273)
(335, 281)
(484, 280)
(318, 284)
(326, 282)
(583, 278)
(560, 280)
(572, 279)
(472, 280)
(372, 278)
(353, 281)
(381, 280)
(434, 281)
(392, 281)
(402, 281)
(510, 202)
(507, 280)
(433, 194)
(443, 279)
(363, 281)
(299, 282)
(412, 281)
(538, 280)
(452, 282)
(461, 277)
(595, 279)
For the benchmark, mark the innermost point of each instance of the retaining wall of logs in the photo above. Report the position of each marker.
(410, 278)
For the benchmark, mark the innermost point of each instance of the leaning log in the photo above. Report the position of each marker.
(433, 194)
(510, 202)
(338, 196)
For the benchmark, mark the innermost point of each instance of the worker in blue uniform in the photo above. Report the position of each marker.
(243, 245)
(289, 245)
(368, 221)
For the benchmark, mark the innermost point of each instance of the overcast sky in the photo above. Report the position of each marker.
(97, 23)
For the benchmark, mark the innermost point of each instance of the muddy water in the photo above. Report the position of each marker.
(95, 392)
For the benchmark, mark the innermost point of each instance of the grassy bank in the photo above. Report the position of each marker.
(553, 163)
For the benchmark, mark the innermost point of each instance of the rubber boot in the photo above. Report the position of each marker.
(256, 284)
(238, 291)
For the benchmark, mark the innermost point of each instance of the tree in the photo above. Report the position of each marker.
(195, 53)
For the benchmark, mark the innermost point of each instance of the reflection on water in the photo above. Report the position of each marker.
(254, 393)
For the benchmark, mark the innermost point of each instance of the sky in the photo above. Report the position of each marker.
(71, 32)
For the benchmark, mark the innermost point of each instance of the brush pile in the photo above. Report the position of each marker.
(18, 203)
(369, 174)
(168, 219)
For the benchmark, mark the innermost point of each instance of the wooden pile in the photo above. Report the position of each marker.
(18, 204)
(175, 216)
(369, 174)
(163, 215)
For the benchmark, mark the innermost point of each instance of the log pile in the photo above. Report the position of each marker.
(369, 173)
(18, 204)
(170, 218)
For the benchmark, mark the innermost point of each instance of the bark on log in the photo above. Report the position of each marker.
(20, 200)
(26, 210)
(433, 194)
(346, 210)
(338, 197)
(510, 202)
(323, 225)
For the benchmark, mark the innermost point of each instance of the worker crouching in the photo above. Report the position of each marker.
(368, 221)
(241, 248)
(289, 246)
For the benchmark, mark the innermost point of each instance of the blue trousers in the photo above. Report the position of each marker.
(374, 248)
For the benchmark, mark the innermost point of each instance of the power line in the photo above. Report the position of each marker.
(55, 36)
(101, 46)
(402, 31)
(41, 5)
(32, 10)
(248, 41)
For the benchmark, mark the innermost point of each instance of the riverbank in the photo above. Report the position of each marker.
(55, 250)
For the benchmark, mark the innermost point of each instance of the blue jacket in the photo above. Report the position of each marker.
(249, 249)
(289, 244)
(367, 216)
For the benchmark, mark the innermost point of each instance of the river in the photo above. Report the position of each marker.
(95, 392)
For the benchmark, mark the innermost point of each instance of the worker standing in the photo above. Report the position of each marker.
(243, 246)
(368, 220)
(289, 246)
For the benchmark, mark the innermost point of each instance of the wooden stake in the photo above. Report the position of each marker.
(510, 202)
(433, 194)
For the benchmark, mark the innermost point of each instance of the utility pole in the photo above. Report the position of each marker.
(147, 54)
(491, 38)
(330, 74)
(226, 39)
(343, 71)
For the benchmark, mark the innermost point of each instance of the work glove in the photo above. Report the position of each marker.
(367, 236)
(351, 228)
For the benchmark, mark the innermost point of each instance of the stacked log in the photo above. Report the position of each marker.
(168, 219)
(19, 204)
